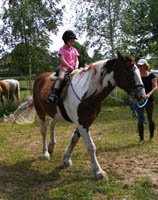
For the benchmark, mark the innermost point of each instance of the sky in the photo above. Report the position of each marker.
(68, 21)
(68, 24)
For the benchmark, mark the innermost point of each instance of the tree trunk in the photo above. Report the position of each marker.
(30, 74)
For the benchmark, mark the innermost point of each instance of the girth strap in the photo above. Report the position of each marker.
(62, 109)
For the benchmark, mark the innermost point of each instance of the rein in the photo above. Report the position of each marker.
(90, 66)
(75, 92)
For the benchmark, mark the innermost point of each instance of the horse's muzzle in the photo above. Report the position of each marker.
(138, 94)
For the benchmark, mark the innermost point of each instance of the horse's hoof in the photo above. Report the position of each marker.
(67, 163)
(45, 157)
(50, 149)
(100, 175)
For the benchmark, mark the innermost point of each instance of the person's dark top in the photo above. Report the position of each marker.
(147, 80)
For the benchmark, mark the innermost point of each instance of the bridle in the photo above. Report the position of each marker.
(138, 87)
(135, 89)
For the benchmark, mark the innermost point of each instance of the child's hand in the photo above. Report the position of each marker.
(70, 70)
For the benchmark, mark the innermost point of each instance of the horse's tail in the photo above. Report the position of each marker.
(24, 114)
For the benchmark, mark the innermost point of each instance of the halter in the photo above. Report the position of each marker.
(140, 86)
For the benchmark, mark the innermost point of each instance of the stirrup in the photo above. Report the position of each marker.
(53, 98)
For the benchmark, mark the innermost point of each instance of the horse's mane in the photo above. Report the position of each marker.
(88, 79)
(109, 64)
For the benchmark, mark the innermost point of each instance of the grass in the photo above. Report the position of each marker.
(131, 168)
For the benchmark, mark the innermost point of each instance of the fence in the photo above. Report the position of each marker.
(23, 80)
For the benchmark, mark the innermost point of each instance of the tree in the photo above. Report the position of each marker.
(42, 60)
(140, 27)
(29, 22)
(101, 21)
(135, 26)
(97, 56)
(84, 57)
(153, 43)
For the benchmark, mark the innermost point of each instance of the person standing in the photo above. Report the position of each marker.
(150, 84)
(68, 62)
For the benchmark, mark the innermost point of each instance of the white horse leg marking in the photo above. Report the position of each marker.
(98, 172)
(43, 128)
(67, 156)
(52, 137)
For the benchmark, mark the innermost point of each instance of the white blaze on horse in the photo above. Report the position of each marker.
(82, 102)
(14, 89)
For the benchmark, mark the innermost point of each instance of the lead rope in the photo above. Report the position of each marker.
(135, 111)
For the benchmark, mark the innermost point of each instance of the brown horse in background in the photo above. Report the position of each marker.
(14, 89)
(9, 89)
(4, 91)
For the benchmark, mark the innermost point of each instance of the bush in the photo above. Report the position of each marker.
(8, 108)
(121, 98)
(118, 99)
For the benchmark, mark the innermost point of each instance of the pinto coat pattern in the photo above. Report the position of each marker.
(83, 101)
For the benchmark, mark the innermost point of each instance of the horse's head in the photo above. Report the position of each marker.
(127, 77)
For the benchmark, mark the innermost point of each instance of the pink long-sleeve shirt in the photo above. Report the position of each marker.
(70, 56)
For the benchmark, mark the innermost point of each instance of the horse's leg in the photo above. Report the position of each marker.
(98, 172)
(7, 96)
(43, 128)
(17, 93)
(1, 99)
(11, 96)
(52, 137)
(7, 92)
(1, 95)
(67, 156)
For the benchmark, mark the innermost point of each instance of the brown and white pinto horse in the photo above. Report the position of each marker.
(83, 101)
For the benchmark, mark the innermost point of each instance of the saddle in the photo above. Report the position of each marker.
(62, 92)
(68, 77)
(64, 84)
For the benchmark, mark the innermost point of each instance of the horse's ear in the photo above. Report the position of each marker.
(120, 56)
(133, 59)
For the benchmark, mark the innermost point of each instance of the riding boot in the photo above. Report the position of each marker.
(151, 130)
(53, 98)
(141, 132)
